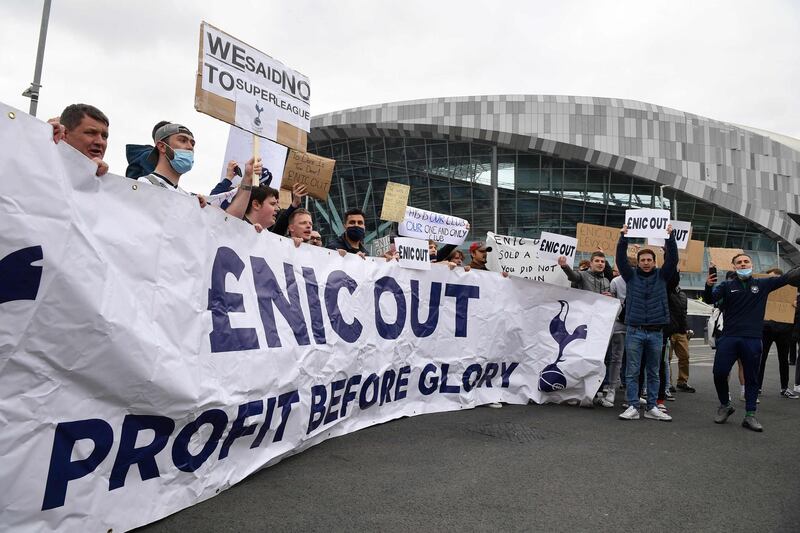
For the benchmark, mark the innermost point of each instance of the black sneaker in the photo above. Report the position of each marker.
(669, 396)
(672, 388)
(685, 387)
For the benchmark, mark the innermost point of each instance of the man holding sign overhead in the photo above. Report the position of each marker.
(647, 313)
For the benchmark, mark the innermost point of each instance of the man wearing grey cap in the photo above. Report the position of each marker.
(173, 156)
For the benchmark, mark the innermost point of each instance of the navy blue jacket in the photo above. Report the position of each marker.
(743, 302)
(646, 302)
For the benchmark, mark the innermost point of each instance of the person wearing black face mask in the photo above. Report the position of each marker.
(352, 240)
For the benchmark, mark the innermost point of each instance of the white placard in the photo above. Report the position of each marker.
(647, 222)
(518, 257)
(422, 224)
(240, 149)
(552, 246)
(412, 253)
(154, 352)
(239, 72)
(683, 234)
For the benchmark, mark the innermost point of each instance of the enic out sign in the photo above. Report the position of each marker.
(412, 253)
(552, 246)
(647, 222)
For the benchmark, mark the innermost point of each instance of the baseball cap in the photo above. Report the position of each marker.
(479, 245)
(162, 133)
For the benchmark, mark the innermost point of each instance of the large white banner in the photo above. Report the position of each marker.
(153, 353)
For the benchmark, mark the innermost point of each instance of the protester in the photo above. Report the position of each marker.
(457, 257)
(478, 251)
(173, 156)
(779, 333)
(678, 334)
(300, 225)
(315, 239)
(352, 240)
(743, 302)
(617, 288)
(647, 312)
(85, 128)
(593, 279)
(261, 207)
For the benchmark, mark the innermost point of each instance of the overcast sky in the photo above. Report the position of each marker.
(735, 61)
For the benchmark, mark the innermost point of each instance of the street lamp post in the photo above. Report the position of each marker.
(32, 92)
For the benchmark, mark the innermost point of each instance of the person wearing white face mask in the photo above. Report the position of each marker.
(173, 156)
(743, 301)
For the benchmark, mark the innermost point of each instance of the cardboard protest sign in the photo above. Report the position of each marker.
(647, 222)
(395, 201)
(518, 257)
(240, 149)
(381, 245)
(691, 259)
(412, 253)
(591, 237)
(241, 85)
(722, 257)
(779, 305)
(311, 170)
(552, 246)
(633, 250)
(439, 228)
(683, 233)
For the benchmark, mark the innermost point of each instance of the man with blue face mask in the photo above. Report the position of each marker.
(743, 301)
(173, 156)
(352, 240)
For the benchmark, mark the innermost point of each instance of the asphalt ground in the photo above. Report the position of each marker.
(535, 468)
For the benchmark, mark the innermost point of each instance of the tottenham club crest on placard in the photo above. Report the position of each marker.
(257, 119)
(754, 289)
(552, 378)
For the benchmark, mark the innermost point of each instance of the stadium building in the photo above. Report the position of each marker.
(522, 164)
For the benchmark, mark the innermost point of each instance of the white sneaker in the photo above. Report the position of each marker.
(656, 414)
(495, 405)
(608, 401)
(631, 413)
(642, 402)
(797, 388)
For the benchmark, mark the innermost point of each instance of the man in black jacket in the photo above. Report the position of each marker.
(677, 334)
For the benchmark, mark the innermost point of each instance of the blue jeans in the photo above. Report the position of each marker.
(641, 344)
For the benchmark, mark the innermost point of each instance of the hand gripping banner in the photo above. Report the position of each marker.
(153, 353)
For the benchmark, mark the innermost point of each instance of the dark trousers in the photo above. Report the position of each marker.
(729, 349)
(782, 342)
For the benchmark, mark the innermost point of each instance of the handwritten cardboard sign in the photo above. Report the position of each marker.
(284, 198)
(722, 257)
(552, 246)
(412, 253)
(683, 233)
(691, 259)
(779, 303)
(518, 257)
(647, 222)
(591, 237)
(311, 170)
(395, 201)
(439, 228)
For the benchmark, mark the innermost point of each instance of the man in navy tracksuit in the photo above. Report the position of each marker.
(743, 301)
(646, 313)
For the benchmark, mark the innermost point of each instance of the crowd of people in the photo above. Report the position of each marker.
(650, 328)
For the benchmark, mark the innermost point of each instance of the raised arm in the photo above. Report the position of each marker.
(670, 256)
(621, 258)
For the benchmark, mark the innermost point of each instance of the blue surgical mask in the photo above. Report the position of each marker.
(182, 161)
(744, 272)
(355, 233)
